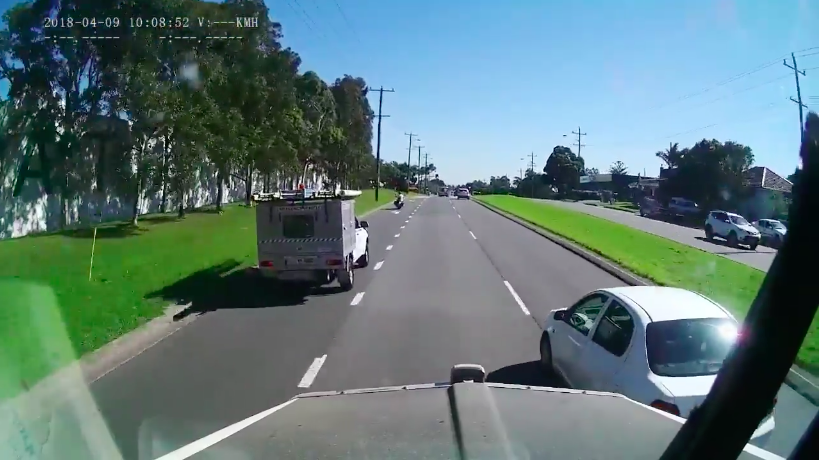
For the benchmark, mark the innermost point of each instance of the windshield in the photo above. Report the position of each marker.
(689, 347)
(739, 220)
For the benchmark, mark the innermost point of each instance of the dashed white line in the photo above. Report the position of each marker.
(378, 265)
(459, 216)
(406, 221)
(397, 235)
(357, 299)
(389, 248)
(312, 372)
(410, 217)
(402, 227)
(473, 235)
(516, 297)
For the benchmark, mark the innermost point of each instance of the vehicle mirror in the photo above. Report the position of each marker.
(364, 224)
(560, 315)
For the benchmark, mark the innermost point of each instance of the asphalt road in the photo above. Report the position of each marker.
(438, 291)
(761, 258)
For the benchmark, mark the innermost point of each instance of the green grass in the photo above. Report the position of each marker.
(133, 268)
(663, 261)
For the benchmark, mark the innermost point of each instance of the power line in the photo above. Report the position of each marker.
(347, 21)
(798, 100)
(316, 7)
(381, 92)
(409, 152)
(304, 15)
(579, 144)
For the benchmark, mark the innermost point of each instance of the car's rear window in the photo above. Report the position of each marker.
(689, 347)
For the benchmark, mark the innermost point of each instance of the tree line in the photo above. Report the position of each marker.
(197, 85)
(710, 172)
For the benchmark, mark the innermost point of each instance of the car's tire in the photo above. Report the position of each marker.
(546, 354)
(752, 247)
(365, 259)
(346, 276)
(709, 233)
(732, 240)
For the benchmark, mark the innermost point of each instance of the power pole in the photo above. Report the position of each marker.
(418, 177)
(409, 153)
(798, 100)
(426, 173)
(381, 92)
(534, 175)
(579, 144)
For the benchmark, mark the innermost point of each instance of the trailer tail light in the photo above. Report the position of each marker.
(266, 264)
(335, 262)
(666, 407)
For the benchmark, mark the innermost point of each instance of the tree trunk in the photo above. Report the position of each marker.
(137, 194)
(220, 191)
(248, 185)
(181, 210)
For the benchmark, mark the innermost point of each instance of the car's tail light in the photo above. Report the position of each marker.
(666, 407)
(266, 264)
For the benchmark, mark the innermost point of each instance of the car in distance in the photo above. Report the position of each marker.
(463, 193)
(659, 346)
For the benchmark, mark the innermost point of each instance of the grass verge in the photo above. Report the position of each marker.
(663, 261)
(130, 263)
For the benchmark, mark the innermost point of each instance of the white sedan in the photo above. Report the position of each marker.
(659, 346)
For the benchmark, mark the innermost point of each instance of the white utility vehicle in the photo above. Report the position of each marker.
(659, 346)
(772, 231)
(311, 238)
(733, 227)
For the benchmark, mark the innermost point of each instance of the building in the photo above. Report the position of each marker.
(769, 194)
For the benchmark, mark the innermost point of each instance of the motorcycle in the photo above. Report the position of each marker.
(399, 203)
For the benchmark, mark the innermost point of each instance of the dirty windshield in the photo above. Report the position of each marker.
(198, 214)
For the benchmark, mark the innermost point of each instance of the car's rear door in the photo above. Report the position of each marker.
(605, 355)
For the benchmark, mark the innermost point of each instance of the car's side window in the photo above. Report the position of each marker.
(615, 329)
(583, 314)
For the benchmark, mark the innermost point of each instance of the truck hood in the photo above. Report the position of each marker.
(444, 421)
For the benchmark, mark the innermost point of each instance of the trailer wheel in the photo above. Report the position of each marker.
(346, 276)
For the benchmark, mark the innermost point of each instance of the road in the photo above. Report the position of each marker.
(761, 258)
(438, 292)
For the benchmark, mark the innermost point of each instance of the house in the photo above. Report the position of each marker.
(768, 194)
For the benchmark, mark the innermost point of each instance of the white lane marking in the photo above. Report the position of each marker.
(406, 221)
(389, 248)
(516, 297)
(378, 265)
(201, 444)
(397, 235)
(473, 235)
(410, 217)
(459, 216)
(396, 212)
(357, 299)
(312, 372)
(402, 227)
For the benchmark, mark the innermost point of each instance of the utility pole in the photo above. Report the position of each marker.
(381, 92)
(418, 177)
(532, 165)
(409, 153)
(579, 145)
(426, 173)
(798, 100)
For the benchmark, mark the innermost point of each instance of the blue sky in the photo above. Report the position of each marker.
(484, 83)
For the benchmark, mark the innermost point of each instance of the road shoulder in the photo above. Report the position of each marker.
(800, 380)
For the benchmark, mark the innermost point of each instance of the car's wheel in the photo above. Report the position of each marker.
(732, 240)
(365, 259)
(753, 246)
(709, 233)
(546, 353)
(346, 275)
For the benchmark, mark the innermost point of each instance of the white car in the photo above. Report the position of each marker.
(659, 346)
(733, 227)
(772, 231)
(463, 193)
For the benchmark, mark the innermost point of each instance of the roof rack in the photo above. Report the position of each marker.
(308, 195)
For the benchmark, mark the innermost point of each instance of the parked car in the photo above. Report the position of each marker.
(772, 232)
(660, 346)
(733, 227)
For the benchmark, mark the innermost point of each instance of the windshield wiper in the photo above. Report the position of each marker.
(751, 376)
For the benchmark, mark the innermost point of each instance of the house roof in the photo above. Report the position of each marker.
(762, 177)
